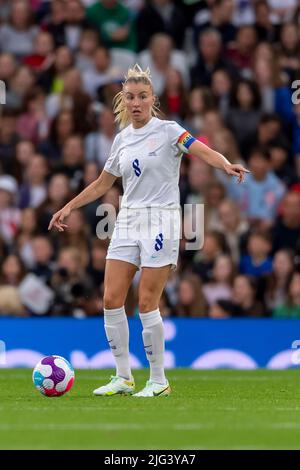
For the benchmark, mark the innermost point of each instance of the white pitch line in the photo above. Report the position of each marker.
(284, 426)
(101, 427)
(139, 427)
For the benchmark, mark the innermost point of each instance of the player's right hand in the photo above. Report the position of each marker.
(58, 218)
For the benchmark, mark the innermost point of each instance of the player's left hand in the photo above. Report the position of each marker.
(237, 170)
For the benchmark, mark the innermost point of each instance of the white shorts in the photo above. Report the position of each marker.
(146, 237)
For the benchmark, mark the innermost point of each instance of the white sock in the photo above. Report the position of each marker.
(117, 333)
(154, 343)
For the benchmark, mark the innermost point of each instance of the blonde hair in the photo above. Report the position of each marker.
(10, 301)
(134, 75)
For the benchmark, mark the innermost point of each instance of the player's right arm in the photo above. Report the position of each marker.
(92, 192)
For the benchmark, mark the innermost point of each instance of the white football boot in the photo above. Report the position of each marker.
(116, 386)
(153, 389)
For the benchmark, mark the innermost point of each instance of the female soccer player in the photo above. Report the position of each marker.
(147, 155)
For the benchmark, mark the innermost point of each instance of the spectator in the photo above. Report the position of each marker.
(88, 44)
(276, 95)
(24, 150)
(265, 30)
(234, 227)
(62, 127)
(8, 66)
(55, 22)
(5, 10)
(280, 165)
(33, 191)
(221, 309)
(72, 160)
(27, 230)
(17, 37)
(244, 298)
(12, 271)
(200, 101)
(102, 73)
(97, 261)
(296, 136)
(225, 143)
(160, 57)
(10, 215)
(42, 257)
(291, 308)
(261, 193)
(286, 231)
(210, 58)
(165, 306)
(98, 144)
(282, 13)
(212, 124)
(75, 23)
(221, 15)
(221, 86)
(77, 236)
(20, 85)
(114, 23)
(243, 12)
(288, 49)
(199, 176)
(8, 139)
(69, 281)
(91, 173)
(33, 123)
(10, 302)
(42, 54)
(257, 262)
(160, 16)
(173, 101)
(269, 129)
(244, 111)
(72, 98)
(220, 286)
(191, 301)
(277, 281)
(52, 79)
(213, 246)
(240, 54)
(59, 192)
(213, 196)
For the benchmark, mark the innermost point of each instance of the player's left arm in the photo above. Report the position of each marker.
(189, 144)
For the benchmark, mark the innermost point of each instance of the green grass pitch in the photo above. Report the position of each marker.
(219, 409)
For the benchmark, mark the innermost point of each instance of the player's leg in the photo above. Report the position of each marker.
(118, 277)
(151, 286)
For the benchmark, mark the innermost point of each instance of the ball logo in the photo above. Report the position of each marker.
(136, 167)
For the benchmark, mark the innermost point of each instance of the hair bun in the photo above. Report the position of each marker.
(137, 72)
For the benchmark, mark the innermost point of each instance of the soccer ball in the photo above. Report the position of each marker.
(53, 376)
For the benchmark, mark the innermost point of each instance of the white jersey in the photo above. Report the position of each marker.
(148, 160)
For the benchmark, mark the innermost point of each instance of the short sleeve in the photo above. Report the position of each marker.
(179, 136)
(112, 163)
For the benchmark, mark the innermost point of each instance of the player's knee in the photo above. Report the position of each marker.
(147, 303)
(111, 300)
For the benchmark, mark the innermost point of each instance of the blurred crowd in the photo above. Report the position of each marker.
(226, 70)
